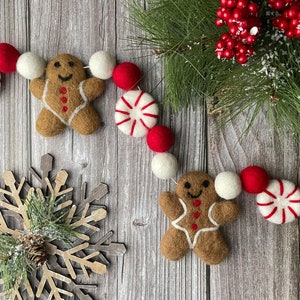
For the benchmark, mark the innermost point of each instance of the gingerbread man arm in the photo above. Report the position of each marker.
(92, 88)
(225, 212)
(37, 87)
(170, 205)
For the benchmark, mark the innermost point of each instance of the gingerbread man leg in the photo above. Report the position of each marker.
(211, 247)
(47, 124)
(86, 121)
(174, 245)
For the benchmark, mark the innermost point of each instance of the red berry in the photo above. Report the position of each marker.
(278, 5)
(220, 45)
(242, 59)
(237, 14)
(219, 13)
(291, 13)
(228, 53)
(242, 50)
(225, 36)
(230, 43)
(289, 33)
(254, 179)
(219, 53)
(294, 23)
(297, 32)
(250, 39)
(231, 3)
(283, 24)
(242, 4)
(233, 29)
(226, 15)
(223, 3)
(253, 8)
(219, 22)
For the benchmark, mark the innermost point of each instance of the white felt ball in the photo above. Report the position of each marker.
(102, 64)
(164, 165)
(30, 65)
(228, 185)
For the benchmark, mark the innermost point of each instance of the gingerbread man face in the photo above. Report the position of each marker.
(196, 185)
(65, 69)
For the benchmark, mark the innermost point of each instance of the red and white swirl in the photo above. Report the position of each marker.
(136, 112)
(280, 202)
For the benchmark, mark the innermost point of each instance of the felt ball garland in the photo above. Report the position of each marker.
(136, 115)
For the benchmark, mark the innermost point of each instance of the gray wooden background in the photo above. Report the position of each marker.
(264, 258)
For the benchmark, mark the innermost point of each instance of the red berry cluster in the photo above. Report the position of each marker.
(241, 17)
(289, 20)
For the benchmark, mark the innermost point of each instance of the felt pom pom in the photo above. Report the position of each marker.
(102, 64)
(228, 185)
(8, 58)
(160, 139)
(164, 165)
(30, 65)
(254, 179)
(127, 76)
(136, 112)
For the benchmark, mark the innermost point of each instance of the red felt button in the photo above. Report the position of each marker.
(63, 90)
(196, 214)
(64, 99)
(197, 202)
(64, 108)
(194, 226)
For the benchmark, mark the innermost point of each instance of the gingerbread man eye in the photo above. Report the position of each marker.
(57, 64)
(71, 64)
(187, 185)
(205, 183)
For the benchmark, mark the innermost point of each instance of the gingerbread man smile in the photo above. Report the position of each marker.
(67, 78)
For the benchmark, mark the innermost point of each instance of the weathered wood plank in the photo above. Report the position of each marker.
(264, 258)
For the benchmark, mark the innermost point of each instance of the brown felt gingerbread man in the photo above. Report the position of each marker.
(66, 94)
(196, 214)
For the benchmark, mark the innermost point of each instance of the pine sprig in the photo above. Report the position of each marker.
(46, 220)
(184, 35)
(14, 263)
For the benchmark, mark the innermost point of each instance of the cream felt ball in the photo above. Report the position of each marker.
(228, 185)
(102, 64)
(164, 165)
(31, 66)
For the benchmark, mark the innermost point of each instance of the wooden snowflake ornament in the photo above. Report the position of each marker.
(49, 244)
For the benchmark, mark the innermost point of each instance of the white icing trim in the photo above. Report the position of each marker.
(75, 112)
(175, 224)
(81, 106)
(47, 106)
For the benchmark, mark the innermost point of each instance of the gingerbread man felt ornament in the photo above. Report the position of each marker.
(66, 92)
(196, 214)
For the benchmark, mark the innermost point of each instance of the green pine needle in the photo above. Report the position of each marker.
(46, 220)
(14, 263)
(183, 33)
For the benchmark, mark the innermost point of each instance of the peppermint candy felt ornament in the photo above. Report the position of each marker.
(278, 200)
(66, 92)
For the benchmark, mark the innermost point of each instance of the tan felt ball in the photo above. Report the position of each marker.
(66, 94)
(196, 214)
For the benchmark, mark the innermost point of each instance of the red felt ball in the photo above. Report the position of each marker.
(254, 179)
(127, 76)
(160, 138)
(8, 58)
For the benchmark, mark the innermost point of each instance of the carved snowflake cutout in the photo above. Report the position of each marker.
(56, 279)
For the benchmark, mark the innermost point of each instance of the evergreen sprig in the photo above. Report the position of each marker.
(47, 220)
(184, 35)
(14, 263)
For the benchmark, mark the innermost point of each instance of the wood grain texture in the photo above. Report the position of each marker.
(264, 259)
